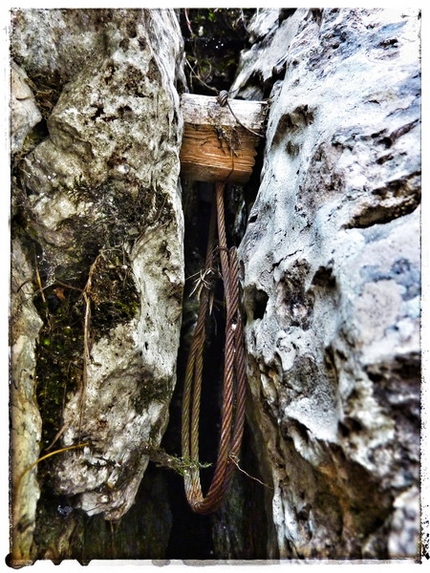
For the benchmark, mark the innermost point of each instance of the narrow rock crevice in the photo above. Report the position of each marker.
(108, 246)
(233, 532)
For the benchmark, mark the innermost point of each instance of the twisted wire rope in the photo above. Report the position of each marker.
(234, 377)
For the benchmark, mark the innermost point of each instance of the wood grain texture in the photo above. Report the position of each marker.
(215, 147)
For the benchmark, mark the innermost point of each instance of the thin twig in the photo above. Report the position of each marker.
(235, 461)
(86, 355)
(23, 284)
(187, 20)
(39, 282)
(196, 75)
(58, 435)
(45, 457)
(67, 285)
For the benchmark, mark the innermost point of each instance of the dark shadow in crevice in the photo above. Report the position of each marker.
(238, 530)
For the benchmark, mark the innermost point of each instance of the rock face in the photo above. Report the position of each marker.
(331, 280)
(26, 424)
(97, 210)
(24, 112)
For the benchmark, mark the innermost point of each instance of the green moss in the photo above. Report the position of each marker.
(180, 465)
(47, 88)
(59, 356)
(120, 212)
(113, 293)
(113, 299)
(99, 265)
(150, 390)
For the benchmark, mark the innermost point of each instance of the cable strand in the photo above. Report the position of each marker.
(234, 376)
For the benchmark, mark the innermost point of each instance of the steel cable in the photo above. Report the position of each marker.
(234, 377)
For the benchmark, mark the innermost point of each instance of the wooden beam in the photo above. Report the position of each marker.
(215, 146)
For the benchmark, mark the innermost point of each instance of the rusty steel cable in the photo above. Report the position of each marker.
(234, 377)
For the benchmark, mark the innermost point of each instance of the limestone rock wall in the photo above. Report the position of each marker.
(331, 283)
(97, 213)
(331, 261)
(26, 423)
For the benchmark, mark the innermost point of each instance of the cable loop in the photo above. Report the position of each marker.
(234, 377)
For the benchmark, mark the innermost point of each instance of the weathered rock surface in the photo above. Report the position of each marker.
(26, 425)
(24, 111)
(97, 205)
(332, 281)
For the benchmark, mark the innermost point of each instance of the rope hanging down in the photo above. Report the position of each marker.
(234, 378)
